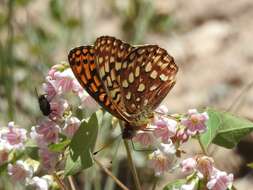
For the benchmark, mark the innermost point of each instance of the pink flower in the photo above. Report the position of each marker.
(49, 89)
(71, 126)
(49, 131)
(20, 171)
(58, 106)
(188, 165)
(165, 128)
(160, 162)
(87, 102)
(40, 183)
(4, 152)
(182, 135)
(205, 165)
(39, 138)
(195, 122)
(48, 159)
(66, 82)
(220, 180)
(162, 109)
(52, 72)
(57, 68)
(144, 138)
(14, 136)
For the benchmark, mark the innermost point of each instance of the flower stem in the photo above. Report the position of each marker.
(132, 166)
(71, 182)
(59, 181)
(109, 173)
(202, 146)
(130, 160)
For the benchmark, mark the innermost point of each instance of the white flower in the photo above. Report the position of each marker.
(20, 171)
(160, 162)
(71, 126)
(220, 180)
(40, 183)
(167, 148)
(145, 138)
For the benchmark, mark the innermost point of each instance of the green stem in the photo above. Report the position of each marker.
(202, 146)
(131, 162)
(59, 182)
(8, 61)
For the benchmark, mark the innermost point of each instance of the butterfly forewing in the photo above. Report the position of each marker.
(110, 53)
(147, 78)
(82, 62)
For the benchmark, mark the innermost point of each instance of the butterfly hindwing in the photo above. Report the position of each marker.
(82, 62)
(147, 76)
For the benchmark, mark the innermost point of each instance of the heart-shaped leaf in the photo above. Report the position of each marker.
(81, 147)
(225, 129)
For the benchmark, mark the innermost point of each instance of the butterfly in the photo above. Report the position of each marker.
(127, 81)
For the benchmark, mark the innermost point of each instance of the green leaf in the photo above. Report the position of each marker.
(106, 121)
(32, 150)
(59, 147)
(3, 167)
(213, 124)
(56, 9)
(250, 165)
(23, 2)
(81, 147)
(225, 129)
(175, 184)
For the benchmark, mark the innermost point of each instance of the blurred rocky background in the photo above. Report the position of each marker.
(210, 40)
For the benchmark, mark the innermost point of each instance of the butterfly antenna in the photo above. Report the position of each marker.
(166, 115)
(106, 145)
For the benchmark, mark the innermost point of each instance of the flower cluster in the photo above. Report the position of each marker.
(203, 168)
(49, 130)
(13, 141)
(167, 134)
(12, 138)
(59, 82)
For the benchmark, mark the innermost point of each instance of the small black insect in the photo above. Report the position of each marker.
(44, 104)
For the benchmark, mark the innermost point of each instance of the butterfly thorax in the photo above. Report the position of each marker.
(141, 120)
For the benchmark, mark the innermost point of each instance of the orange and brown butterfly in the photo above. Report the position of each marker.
(127, 81)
